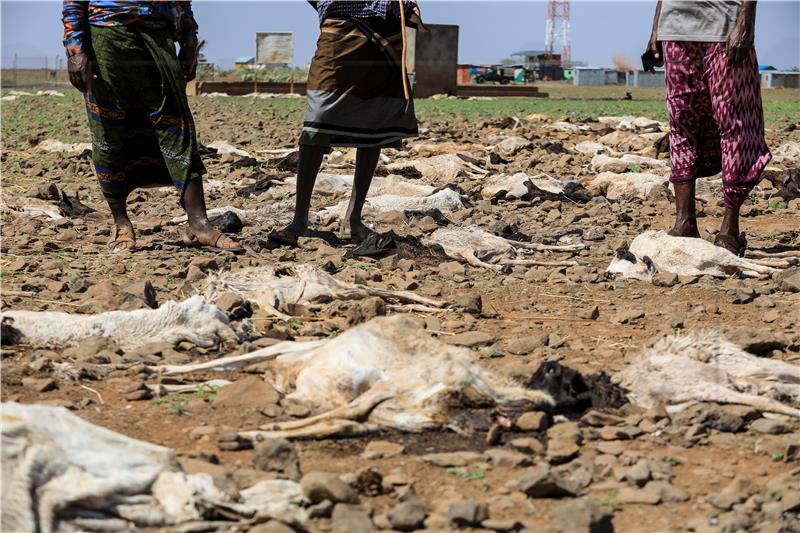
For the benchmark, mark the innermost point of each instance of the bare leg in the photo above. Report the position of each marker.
(124, 236)
(728, 236)
(366, 161)
(200, 230)
(309, 161)
(685, 211)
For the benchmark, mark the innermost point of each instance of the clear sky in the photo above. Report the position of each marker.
(489, 30)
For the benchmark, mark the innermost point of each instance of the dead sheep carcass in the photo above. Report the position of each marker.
(192, 320)
(655, 252)
(279, 290)
(705, 367)
(387, 373)
(480, 248)
(62, 473)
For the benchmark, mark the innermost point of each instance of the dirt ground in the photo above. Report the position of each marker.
(65, 265)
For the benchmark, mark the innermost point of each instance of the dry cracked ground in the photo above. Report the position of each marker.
(602, 464)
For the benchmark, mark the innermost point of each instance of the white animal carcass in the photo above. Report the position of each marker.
(627, 185)
(192, 320)
(276, 213)
(519, 184)
(62, 473)
(53, 145)
(787, 154)
(607, 163)
(482, 249)
(29, 207)
(656, 251)
(627, 141)
(386, 373)
(278, 290)
(225, 147)
(631, 123)
(332, 184)
(705, 367)
(445, 200)
(440, 169)
(592, 148)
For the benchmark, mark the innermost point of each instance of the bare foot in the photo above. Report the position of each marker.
(685, 228)
(124, 239)
(210, 237)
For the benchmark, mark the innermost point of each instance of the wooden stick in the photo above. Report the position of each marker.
(403, 68)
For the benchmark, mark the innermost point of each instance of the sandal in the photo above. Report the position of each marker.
(284, 237)
(219, 242)
(124, 240)
(362, 235)
(736, 247)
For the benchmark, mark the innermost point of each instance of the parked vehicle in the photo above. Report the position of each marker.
(495, 74)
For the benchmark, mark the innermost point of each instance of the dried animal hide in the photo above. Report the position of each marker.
(656, 251)
(705, 367)
(192, 320)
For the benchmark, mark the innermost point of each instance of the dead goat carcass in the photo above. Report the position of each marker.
(705, 367)
(655, 251)
(387, 373)
(480, 248)
(280, 290)
(520, 185)
(440, 169)
(192, 320)
(446, 200)
(62, 473)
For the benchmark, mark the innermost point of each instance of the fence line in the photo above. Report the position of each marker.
(34, 71)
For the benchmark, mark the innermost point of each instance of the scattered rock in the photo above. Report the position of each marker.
(626, 316)
(533, 421)
(507, 458)
(770, 426)
(471, 339)
(347, 518)
(471, 302)
(318, 486)
(582, 516)
(541, 482)
(452, 458)
(247, 393)
(381, 449)
(408, 516)
(40, 384)
(653, 493)
(529, 344)
(638, 474)
(452, 268)
(467, 513)
(277, 456)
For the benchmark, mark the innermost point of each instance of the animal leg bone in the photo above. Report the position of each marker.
(760, 254)
(403, 296)
(548, 247)
(534, 262)
(322, 429)
(238, 361)
(473, 260)
(355, 410)
(770, 262)
(725, 395)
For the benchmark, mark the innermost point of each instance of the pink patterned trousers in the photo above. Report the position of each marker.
(715, 118)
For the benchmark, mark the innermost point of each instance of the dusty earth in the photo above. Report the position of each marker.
(709, 468)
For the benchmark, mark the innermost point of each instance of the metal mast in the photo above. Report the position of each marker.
(558, 28)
